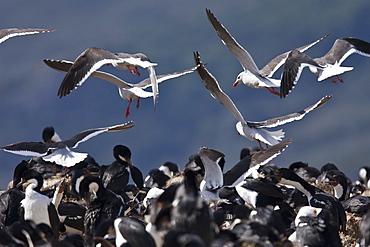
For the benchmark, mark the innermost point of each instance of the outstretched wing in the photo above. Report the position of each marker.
(273, 122)
(210, 82)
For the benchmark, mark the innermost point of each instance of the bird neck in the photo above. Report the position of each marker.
(301, 185)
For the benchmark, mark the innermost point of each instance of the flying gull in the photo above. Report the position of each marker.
(252, 76)
(126, 90)
(93, 58)
(59, 152)
(251, 130)
(325, 66)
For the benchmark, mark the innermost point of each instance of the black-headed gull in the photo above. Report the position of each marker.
(14, 32)
(59, 152)
(324, 67)
(252, 76)
(127, 91)
(251, 130)
(93, 58)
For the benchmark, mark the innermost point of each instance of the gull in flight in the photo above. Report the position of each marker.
(252, 76)
(93, 58)
(127, 91)
(251, 130)
(60, 151)
(324, 67)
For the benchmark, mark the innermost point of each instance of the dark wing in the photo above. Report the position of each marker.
(86, 63)
(264, 187)
(87, 134)
(241, 54)
(259, 159)
(133, 230)
(342, 48)
(14, 32)
(279, 60)
(210, 82)
(27, 148)
(273, 122)
(54, 220)
(292, 70)
(64, 66)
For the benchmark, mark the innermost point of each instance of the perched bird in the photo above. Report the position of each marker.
(127, 91)
(158, 177)
(315, 196)
(93, 58)
(252, 76)
(102, 204)
(251, 130)
(308, 173)
(10, 199)
(325, 66)
(258, 191)
(364, 176)
(314, 228)
(14, 32)
(36, 206)
(59, 152)
(116, 176)
(130, 230)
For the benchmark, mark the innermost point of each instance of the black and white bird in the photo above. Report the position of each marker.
(315, 196)
(93, 58)
(130, 230)
(251, 130)
(158, 177)
(10, 199)
(36, 206)
(14, 32)
(252, 76)
(258, 191)
(313, 228)
(324, 67)
(60, 152)
(102, 204)
(117, 174)
(127, 91)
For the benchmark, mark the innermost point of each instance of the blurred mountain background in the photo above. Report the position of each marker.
(168, 32)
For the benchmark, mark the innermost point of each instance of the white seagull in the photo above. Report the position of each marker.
(324, 67)
(93, 58)
(127, 91)
(251, 130)
(60, 152)
(252, 76)
(14, 32)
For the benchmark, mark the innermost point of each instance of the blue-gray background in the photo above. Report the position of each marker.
(186, 117)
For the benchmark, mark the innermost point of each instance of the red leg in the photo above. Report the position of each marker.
(272, 90)
(128, 108)
(137, 103)
(259, 143)
(333, 80)
(137, 71)
(340, 79)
